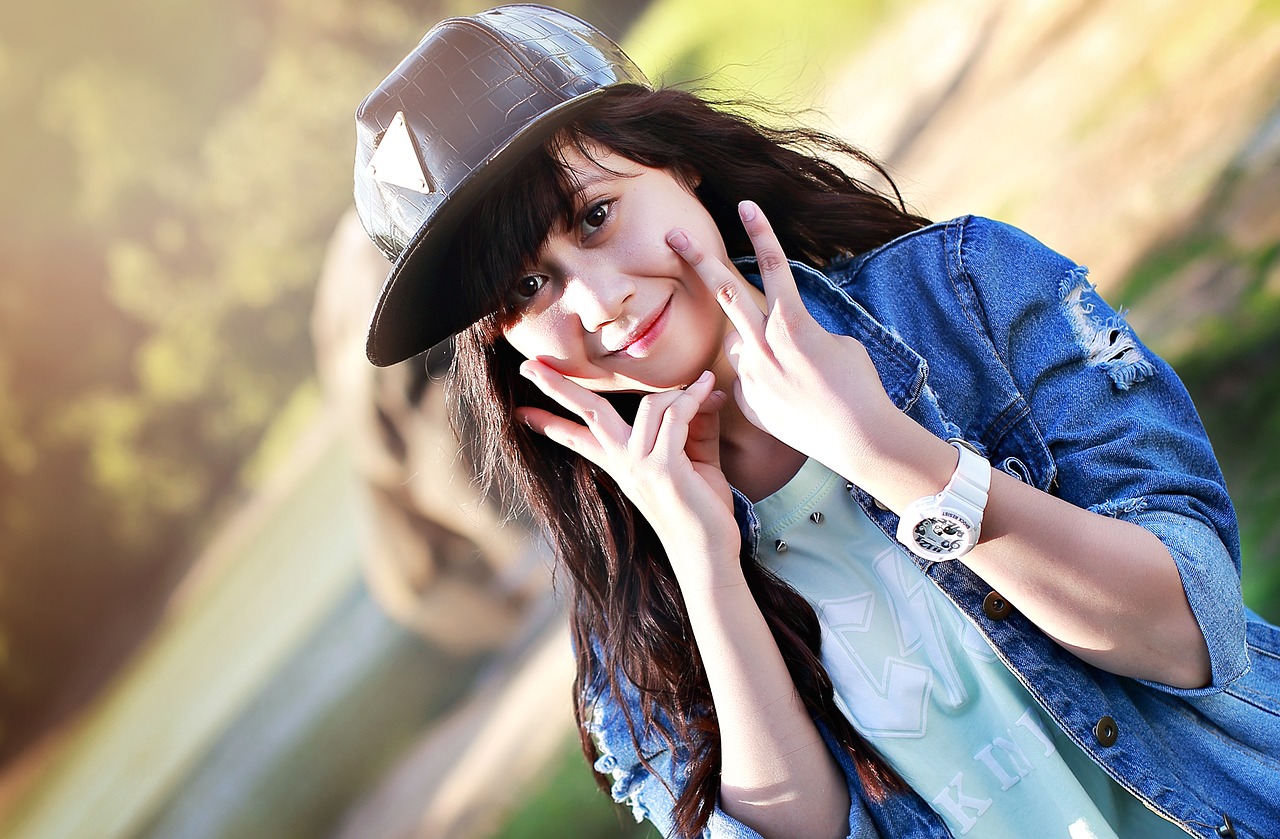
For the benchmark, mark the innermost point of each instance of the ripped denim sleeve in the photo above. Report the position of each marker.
(643, 775)
(649, 792)
(620, 762)
(1108, 341)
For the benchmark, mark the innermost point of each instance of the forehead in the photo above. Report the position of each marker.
(586, 164)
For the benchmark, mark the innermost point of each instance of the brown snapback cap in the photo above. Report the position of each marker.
(475, 96)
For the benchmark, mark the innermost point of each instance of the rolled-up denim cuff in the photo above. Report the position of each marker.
(1212, 585)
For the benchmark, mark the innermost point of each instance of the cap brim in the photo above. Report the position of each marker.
(418, 307)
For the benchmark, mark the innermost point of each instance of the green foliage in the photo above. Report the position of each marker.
(1238, 392)
(302, 408)
(755, 46)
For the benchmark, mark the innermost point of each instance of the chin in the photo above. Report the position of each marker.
(637, 387)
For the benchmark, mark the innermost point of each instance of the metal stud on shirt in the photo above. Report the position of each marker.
(815, 517)
(780, 546)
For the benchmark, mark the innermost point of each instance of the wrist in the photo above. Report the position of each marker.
(896, 460)
(700, 568)
(700, 579)
(948, 524)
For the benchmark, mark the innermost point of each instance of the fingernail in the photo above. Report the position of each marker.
(677, 240)
(527, 371)
(747, 210)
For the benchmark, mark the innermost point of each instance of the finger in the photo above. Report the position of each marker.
(714, 403)
(703, 445)
(652, 410)
(731, 291)
(594, 409)
(648, 420)
(656, 408)
(775, 270)
(573, 436)
(673, 432)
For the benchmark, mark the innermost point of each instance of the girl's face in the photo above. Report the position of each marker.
(608, 303)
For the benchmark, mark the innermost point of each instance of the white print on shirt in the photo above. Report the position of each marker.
(1079, 830)
(1013, 753)
(891, 700)
(1031, 722)
(1005, 760)
(954, 801)
(892, 705)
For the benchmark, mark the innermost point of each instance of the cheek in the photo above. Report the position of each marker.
(531, 338)
(702, 300)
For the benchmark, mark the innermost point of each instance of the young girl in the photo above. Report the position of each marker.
(908, 537)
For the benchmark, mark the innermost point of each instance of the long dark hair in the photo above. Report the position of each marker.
(627, 614)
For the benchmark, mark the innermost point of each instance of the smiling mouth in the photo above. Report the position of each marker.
(638, 342)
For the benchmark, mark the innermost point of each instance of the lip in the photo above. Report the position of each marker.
(638, 342)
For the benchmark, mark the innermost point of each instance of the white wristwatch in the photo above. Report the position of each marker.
(947, 525)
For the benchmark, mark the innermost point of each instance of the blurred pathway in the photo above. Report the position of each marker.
(270, 692)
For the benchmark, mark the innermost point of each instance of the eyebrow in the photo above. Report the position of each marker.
(582, 181)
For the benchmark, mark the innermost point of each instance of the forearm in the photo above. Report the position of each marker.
(777, 775)
(1105, 589)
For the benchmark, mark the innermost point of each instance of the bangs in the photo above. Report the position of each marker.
(503, 234)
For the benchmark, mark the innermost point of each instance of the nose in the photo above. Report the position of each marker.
(596, 298)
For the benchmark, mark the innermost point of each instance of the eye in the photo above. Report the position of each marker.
(594, 218)
(525, 288)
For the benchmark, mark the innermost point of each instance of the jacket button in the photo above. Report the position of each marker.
(1106, 732)
(996, 607)
(1226, 830)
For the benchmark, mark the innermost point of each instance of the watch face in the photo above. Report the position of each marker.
(941, 536)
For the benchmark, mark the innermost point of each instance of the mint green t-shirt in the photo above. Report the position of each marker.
(924, 687)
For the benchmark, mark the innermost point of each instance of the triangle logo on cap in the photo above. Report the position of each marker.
(395, 160)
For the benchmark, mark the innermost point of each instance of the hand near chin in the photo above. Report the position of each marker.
(667, 463)
(817, 392)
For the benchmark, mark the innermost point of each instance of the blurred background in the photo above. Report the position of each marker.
(244, 589)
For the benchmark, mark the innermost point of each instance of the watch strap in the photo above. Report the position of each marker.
(961, 502)
(970, 483)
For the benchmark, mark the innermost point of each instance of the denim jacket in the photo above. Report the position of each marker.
(980, 332)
